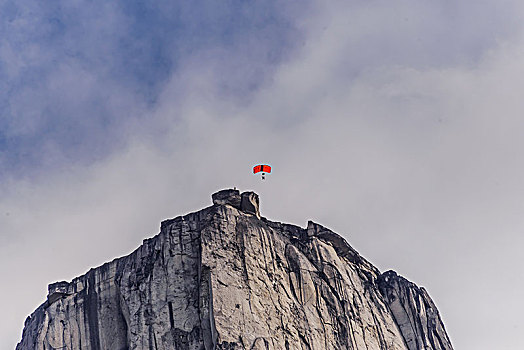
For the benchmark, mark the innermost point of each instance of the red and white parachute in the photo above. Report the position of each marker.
(262, 168)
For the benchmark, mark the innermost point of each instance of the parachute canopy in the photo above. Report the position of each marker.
(261, 168)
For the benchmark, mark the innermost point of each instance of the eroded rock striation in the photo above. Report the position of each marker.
(415, 313)
(227, 278)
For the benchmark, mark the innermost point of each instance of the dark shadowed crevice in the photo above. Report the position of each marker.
(171, 319)
(92, 311)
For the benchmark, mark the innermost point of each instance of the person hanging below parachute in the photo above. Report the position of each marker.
(262, 168)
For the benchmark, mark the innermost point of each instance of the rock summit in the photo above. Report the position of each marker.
(226, 278)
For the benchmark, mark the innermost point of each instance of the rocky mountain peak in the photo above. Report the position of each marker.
(247, 202)
(225, 278)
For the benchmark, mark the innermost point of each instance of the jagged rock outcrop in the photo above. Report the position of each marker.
(225, 278)
(415, 313)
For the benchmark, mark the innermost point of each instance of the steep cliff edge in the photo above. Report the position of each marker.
(225, 278)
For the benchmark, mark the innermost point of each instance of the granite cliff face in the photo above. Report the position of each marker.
(225, 278)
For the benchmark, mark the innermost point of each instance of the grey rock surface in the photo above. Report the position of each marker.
(225, 278)
(227, 196)
(414, 312)
(250, 204)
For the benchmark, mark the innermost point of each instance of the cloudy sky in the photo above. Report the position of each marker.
(397, 124)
